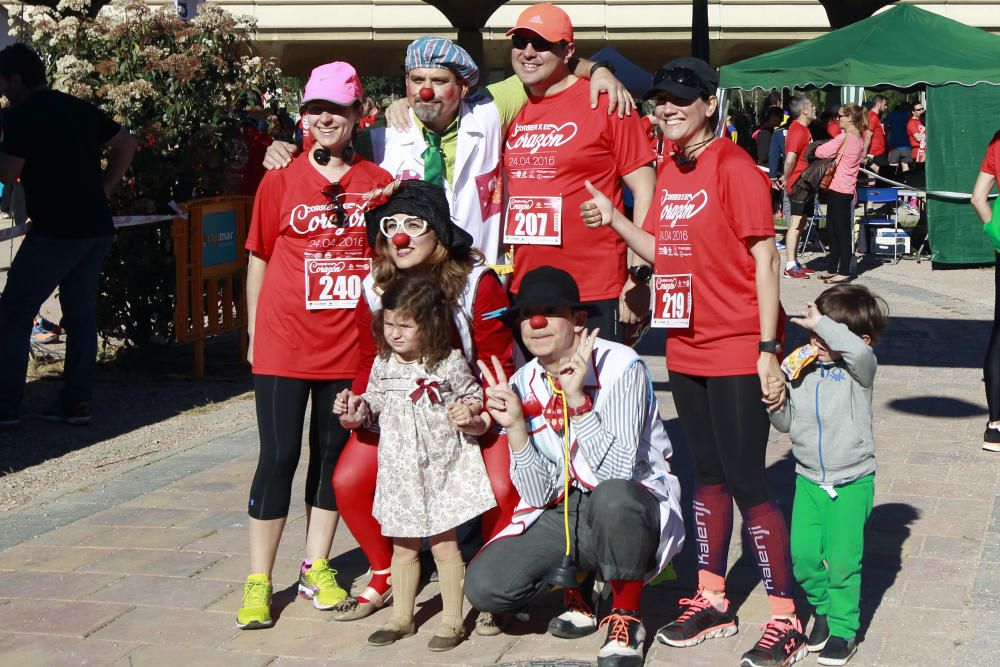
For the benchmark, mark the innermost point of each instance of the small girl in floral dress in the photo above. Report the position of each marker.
(431, 476)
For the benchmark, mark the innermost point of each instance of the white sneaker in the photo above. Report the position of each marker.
(623, 646)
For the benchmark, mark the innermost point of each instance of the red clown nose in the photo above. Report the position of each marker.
(426, 94)
(400, 239)
(538, 321)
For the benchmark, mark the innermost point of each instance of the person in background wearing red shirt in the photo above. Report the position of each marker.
(917, 132)
(803, 112)
(308, 255)
(711, 237)
(830, 124)
(989, 172)
(413, 234)
(875, 134)
(555, 143)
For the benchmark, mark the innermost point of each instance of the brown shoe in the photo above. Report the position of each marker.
(391, 633)
(446, 637)
(353, 609)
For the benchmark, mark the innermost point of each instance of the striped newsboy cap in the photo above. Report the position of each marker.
(441, 52)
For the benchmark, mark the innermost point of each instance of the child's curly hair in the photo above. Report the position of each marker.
(864, 313)
(425, 302)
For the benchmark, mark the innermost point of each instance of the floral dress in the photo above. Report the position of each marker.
(431, 477)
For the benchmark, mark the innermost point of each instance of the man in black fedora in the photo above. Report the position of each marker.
(593, 399)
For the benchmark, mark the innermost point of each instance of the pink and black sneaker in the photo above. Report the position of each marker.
(699, 620)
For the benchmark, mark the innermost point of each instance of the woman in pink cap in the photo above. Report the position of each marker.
(308, 256)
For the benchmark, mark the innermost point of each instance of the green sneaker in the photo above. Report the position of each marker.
(256, 610)
(319, 584)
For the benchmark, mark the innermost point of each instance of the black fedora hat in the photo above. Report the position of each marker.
(546, 287)
(428, 202)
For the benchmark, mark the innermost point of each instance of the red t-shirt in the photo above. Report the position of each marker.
(877, 145)
(915, 126)
(701, 220)
(797, 141)
(490, 336)
(294, 229)
(991, 161)
(833, 128)
(554, 144)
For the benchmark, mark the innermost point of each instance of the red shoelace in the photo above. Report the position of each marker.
(774, 630)
(575, 602)
(694, 605)
(619, 627)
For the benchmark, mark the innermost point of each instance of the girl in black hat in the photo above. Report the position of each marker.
(413, 235)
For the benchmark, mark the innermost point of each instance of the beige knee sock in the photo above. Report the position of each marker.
(451, 575)
(405, 578)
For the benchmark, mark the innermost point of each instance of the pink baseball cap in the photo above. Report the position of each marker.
(335, 82)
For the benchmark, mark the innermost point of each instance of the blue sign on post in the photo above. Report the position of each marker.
(218, 241)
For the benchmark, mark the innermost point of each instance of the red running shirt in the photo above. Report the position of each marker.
(797, 141)
(292, 223)
(701, 221)
(554, 144)
(877, 145)
(991, 162)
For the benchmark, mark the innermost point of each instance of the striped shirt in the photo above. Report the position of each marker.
(608, 440)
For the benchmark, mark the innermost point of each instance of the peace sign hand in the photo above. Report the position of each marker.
(573, 369)
(502, 402)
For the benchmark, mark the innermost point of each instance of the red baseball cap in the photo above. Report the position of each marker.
(547, 21)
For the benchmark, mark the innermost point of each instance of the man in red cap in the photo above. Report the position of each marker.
(556, 144)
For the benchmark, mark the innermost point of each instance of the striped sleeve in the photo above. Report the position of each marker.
(537, 479)
(609, 439)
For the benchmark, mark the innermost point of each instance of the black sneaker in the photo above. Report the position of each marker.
(623, 647)
(577, 621)
(781, 645)
(838, 651)
(77, 414)
(991, 439)
(699, 621)
(819, 634)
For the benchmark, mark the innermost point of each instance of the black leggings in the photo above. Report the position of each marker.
(726, 427)
(839, 218)
(281, 407)
(991, 365)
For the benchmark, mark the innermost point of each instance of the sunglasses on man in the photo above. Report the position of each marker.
(520, 42)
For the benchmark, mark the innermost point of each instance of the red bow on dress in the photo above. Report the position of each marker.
(424, 387)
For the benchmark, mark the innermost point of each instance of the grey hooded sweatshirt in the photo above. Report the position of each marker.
(828, 413)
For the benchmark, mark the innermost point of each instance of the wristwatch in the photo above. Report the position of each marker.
(598, 64)
(772, 346)
(641, 273)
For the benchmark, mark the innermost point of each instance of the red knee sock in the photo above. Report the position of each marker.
(626, 594)
(768, 536)
(713, 527)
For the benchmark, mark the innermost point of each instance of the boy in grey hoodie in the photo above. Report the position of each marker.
(828, 415)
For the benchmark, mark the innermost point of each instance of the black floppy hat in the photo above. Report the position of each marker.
(546, 287)
(685, 77)
(426, 201)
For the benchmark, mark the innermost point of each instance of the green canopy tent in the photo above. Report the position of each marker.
(906, 47)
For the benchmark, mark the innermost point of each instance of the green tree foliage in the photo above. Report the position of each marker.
(182, 87)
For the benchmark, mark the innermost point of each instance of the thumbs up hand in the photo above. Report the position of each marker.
(596, 212)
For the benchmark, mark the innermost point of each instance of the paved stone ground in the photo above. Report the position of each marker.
(145, 568)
